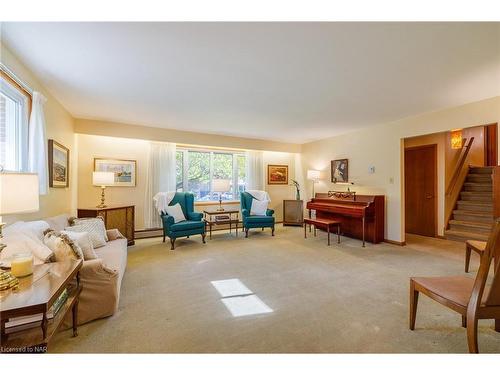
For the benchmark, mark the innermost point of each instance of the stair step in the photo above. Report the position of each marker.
(470, 226)
(462, 236)
(470, 215)
(477, 186)
(479, 177)
(475, 206)
(481, 170)
(484, 196)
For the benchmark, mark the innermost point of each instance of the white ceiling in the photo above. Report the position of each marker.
(292, 82)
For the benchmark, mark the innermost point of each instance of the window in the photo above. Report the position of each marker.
(203, 172)
(14, 113)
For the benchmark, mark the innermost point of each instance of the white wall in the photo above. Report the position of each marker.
(382, 146)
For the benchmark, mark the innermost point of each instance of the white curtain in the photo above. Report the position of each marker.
(255, 170)
(37, 143)
(160, 178)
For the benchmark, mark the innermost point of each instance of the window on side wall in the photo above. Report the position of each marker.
(15, 107)
(196, 171)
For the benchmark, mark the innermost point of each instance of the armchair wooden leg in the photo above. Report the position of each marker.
(464, 321)
(263, 229)
(246, 232)
(272, 233)
(497, 325)
(413, 304)
(163, 237)
(172, 243)
(203, 237)
(467, 257)
(472, 334)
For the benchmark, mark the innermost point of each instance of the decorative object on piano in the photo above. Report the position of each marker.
(18, 195)
(103, 179)
(220, 186)
(124, 170)
(313, 175)
(340, 171)
(348, 195)
(58, 165)
(277, 174)
(297, 189)
(456, 139)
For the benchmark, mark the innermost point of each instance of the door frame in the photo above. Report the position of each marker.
(434, 147)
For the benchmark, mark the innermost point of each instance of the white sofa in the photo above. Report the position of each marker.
(101, 278)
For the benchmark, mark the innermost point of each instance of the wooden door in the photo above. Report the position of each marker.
(490, 145)
(421, 190)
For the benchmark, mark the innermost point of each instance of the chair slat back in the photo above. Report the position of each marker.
(491, 252)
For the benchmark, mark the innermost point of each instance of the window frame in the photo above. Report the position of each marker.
(211, 151)
(22, 164)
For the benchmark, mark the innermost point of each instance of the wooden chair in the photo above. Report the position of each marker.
(477, 246)
(471, 298)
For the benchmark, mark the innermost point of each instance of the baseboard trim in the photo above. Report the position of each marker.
(398, 243)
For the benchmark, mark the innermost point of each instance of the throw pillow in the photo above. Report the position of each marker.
(258, 207)
(98, 222)
(114, 234)
(18, 242)
(83, 240)
(176, 212)
(62, 246)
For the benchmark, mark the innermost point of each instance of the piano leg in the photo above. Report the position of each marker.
(363, 231)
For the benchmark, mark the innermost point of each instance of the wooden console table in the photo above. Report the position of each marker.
(36, 295)
(210, 218)
(119, 217)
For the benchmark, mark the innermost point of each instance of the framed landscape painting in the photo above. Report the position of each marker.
(340, 170)
(277, 174)
(125, 170)
(58, 165)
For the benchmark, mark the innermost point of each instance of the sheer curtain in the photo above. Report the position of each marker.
(255, 170)
(37, 143)
(160, 177)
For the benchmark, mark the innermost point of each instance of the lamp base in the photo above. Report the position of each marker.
(102, 205)
(220, 209)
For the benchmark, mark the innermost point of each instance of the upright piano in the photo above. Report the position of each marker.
(361, 216)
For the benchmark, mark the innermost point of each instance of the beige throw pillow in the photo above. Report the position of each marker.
(83, 240)
(94, 227)
(62, 246)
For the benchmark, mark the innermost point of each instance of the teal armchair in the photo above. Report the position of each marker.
(193, 225)
(254, 221)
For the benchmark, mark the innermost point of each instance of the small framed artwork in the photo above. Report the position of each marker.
(277, 174)
(58, 165)
(340, 170)
(125, 170)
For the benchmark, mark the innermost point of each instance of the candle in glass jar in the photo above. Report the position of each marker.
(22, 265)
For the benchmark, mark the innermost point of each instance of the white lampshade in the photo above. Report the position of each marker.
(103, 178)
(312, 175)
(18, 193)
(221, 185)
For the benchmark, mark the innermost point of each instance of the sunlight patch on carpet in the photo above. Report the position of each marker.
(247, 305)
(231, 287)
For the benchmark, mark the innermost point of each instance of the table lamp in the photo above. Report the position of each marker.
(18, 195)
(221, 186)
(314, 176)
(103, 179)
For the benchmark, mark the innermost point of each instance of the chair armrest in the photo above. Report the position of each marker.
(245, 212)
(167, 221)
(269, 212)
(196, 216)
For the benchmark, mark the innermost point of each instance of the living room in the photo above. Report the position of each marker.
(248, 187)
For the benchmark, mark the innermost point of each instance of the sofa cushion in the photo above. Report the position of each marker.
(114, 256)
(83, 240)
(187, 225)
(58, 223)
(62, 246)
(259, 219)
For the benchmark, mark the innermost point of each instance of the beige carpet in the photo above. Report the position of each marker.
(337, 299)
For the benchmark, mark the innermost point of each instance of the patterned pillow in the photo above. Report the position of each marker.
(62, 246)
(97, 221)
(95, 229)
(82, 239)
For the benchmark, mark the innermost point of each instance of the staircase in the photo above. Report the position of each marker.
(472, 218)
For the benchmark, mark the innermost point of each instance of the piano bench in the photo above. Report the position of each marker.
(327, 224)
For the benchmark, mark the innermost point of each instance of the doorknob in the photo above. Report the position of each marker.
(429, 196)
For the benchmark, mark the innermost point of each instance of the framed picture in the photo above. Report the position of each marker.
(58, 165)
(277, 174)
(125, 170)
(340, 170)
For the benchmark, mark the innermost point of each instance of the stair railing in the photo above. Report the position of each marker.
(459, 166)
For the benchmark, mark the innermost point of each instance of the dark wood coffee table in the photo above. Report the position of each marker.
(36, 295)
(322, 223)
(210, 218)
